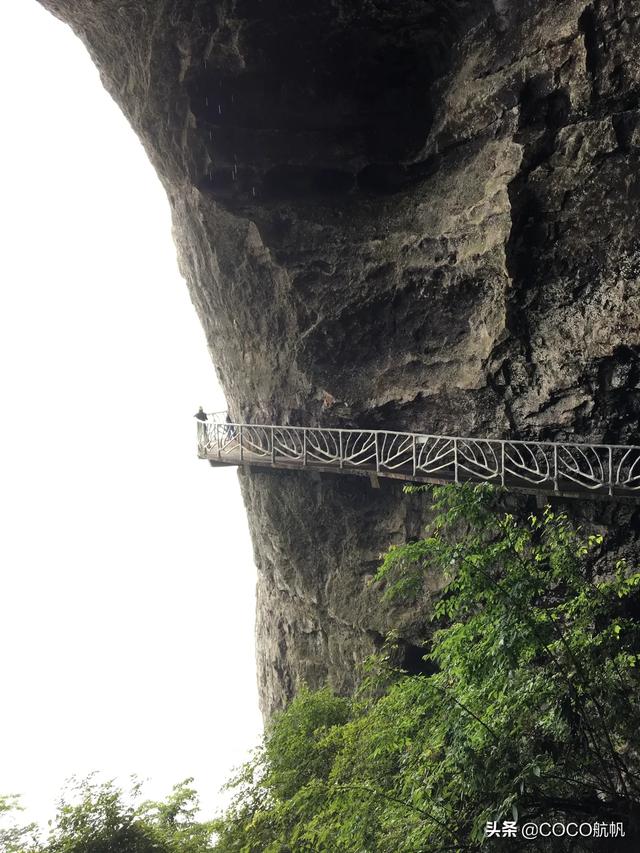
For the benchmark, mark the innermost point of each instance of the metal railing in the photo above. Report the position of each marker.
(534, 465)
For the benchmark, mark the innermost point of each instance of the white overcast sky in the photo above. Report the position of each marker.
(126, 574)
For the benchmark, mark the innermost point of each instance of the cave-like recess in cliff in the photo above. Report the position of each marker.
(413, 213)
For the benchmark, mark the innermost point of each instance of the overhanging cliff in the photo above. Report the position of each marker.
(413, 213)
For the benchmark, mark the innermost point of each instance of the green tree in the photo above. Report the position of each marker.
(99, 817)
(531, 713)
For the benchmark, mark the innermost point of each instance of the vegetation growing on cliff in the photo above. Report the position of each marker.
(532, 712)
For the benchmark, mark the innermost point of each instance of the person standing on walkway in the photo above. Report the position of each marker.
(203, 433)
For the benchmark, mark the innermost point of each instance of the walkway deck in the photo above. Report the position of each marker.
(575, 470)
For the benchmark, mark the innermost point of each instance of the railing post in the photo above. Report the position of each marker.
(241, 445)
(340, 446)
(413, 450)
(502, 460)
(218, 440)
(611, 470)
(304, 447)
(377, 453)
(555, 468)
(455, 459)
(273, 448)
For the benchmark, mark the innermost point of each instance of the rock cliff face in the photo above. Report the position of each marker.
(425, 211)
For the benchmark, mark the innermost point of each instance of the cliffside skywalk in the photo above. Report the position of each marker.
(568, 469)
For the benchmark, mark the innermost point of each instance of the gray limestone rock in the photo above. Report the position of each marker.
(424, 211)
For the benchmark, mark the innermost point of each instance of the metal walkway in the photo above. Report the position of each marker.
(576, 470)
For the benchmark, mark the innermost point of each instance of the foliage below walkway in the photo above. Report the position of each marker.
(532, 712)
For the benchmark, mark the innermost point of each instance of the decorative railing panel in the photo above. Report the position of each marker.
(626, 463)
(287, 444)
(358, 448)
(530, 465)
(395, 451)
(435, 455)
(322, 445)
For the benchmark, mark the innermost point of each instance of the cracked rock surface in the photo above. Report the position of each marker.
(422, 211)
